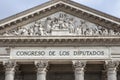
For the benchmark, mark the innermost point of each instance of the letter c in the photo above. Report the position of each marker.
(18, 53)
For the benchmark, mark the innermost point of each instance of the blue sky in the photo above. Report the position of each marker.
(11, 7)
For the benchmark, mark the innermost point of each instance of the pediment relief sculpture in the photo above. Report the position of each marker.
(60, 24)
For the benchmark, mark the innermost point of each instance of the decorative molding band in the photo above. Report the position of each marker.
(39, 41)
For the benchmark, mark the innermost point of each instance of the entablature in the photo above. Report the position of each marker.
(59, 41)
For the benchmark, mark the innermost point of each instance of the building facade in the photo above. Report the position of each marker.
(60, 40)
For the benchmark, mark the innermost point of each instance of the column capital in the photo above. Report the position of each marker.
(111, 65)
(79, 69)
(79, 65)
(41, 65)
(9, 65)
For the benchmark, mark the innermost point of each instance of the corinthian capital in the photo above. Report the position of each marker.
(112, 64)
(41, 65)
(79, 65)
(9, 65)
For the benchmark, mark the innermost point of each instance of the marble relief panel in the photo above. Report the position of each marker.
(61, 23)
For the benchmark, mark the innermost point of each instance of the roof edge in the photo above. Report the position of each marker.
(66, 1)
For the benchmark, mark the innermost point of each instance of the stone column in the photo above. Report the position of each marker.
(9, 70)
(111, 67)
(41, 69)
(79, 69)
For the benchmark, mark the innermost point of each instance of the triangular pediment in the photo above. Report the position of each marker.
(61, 18)
(61, 24)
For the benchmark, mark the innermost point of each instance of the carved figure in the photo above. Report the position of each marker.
(24, 32)
(71, 26)
(105, 32)
(15, 32)
(84, 28)
(36, 28)
(6, 33)
(48, 25)
(31, 31)
(61, 21)
(79, 30)
(55, 24)
(41, 31)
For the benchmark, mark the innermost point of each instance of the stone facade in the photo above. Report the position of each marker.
(60, 40)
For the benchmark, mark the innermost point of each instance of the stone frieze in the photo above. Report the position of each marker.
(61, 24)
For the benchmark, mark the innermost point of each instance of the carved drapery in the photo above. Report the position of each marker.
(62, 23)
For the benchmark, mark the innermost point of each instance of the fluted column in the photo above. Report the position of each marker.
(79, 69)
(9, 70)
(111, 67)
(41, 69)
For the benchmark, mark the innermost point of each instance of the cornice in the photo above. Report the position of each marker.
(60, 41)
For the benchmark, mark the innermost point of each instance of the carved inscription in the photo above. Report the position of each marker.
(60, 53)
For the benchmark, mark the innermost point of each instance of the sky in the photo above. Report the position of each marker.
(11, 7)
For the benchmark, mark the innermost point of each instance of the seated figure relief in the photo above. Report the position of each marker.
(61, 21)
